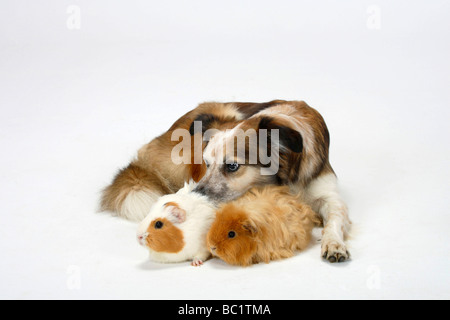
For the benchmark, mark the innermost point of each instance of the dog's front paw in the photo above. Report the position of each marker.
(334, 251)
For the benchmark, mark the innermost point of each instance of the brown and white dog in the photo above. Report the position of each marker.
(225, 173)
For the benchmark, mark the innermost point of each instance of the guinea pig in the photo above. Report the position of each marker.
(176, 227)
(265, 224)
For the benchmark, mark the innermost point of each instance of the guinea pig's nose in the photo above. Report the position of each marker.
(141, 239)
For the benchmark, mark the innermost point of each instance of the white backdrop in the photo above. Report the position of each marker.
(83, 84)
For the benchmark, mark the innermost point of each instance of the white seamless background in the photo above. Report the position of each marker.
(83, 84)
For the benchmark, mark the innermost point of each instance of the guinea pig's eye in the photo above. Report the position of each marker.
(159, 225)
(233, 167)
(231, 234)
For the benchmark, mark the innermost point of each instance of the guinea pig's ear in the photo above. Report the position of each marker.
(250, 227)
(176, 214)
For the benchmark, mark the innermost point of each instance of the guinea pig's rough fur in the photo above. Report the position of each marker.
(267, 223)
(176, 227)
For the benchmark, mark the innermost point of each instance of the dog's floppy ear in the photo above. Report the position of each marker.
(289, 138)
(206, 122)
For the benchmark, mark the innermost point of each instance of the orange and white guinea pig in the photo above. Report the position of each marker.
(176, 227)
(265, 224)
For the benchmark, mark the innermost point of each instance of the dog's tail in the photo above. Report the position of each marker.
(132, 193)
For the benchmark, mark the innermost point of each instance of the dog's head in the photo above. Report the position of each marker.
(257, 151)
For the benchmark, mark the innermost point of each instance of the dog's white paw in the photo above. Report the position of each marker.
(334, 251)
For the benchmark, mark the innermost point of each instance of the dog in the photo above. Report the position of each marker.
(299, 159)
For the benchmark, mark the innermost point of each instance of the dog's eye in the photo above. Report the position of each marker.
(159, 225)
(233, 167)
(231, 234)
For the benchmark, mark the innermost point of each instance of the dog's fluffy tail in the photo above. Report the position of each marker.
(132, 193)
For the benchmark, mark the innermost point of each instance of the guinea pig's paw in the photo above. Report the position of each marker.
(197, 262)
(334, 251)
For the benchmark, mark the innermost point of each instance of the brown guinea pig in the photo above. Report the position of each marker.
(265, 224)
